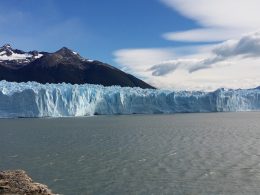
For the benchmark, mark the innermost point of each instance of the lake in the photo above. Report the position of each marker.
(211, 153)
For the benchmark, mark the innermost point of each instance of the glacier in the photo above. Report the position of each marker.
(33, 99)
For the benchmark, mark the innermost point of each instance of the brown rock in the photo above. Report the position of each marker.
(19, 183)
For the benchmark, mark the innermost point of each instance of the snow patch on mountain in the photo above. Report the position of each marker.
(7, 53)
(15, 56)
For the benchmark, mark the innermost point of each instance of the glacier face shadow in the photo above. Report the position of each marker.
(32, 99)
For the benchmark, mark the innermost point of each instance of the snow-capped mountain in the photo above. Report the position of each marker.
(58, 100)
(61, 66)
(16, 57)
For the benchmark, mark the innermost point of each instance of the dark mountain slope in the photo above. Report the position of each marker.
(63, 65)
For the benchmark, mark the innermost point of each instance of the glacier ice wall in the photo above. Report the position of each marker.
(57, 100)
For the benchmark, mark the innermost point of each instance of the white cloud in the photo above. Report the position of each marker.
(237, 73)
(135, 56)
(245, 47)
(231, 64)
(221, 13)
(138, 60)
(144, 58)
(220, 20)
(234, 63)
(203, 35)
(167, 67)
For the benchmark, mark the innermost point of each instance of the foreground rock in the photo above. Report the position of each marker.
(18, 182)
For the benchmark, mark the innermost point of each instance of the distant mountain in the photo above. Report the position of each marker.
(63, 65)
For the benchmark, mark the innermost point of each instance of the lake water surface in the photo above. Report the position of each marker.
(216, 153)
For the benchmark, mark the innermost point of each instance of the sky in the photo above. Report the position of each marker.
(171, 44)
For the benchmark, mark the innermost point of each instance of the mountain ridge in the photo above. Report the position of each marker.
(64, 65)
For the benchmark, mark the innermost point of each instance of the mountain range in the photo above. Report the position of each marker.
(61, 66)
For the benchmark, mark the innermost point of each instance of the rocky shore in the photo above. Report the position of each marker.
(17, 182)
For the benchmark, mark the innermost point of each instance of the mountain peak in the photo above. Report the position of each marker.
(6, 49)
(7, 46)
(16, 58)
(65, 51)
(67, 56)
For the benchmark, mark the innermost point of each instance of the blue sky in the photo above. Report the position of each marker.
(95, 28)
(176, 44)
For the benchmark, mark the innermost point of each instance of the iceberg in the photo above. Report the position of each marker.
(33, 99)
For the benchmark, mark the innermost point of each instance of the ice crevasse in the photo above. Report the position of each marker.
(32, 99)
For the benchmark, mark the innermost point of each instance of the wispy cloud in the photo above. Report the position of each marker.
(219, 20)
(237, 58)
(232, 63)
(203, 35)
(136, 60)
(167, 67)
(245, 47)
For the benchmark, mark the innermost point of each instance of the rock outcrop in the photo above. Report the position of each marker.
(19, 183)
